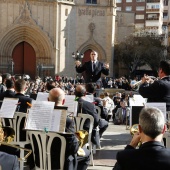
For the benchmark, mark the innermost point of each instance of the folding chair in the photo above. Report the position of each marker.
(51, 136)
(79, 123)
(38, 141)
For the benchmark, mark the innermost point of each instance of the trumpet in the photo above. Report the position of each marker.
(134, 129)
(7, 136)
(138, 83)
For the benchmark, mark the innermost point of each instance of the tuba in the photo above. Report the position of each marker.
(7, 135)
(134, 129)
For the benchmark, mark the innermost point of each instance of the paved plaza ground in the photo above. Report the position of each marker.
(114, 139)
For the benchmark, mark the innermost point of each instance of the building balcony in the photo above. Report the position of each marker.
(152, 1)
(152, 10)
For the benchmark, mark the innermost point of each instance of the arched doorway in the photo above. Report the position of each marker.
(86, 56)
(24, 59)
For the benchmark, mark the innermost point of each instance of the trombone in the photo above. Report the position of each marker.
(6, 136)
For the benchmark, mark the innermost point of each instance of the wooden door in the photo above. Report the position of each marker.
(24, 59)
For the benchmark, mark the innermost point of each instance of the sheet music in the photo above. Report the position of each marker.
(8, 107)
(55, 123)
(40, 116)
(42, 96)
(63, 121)
(58, 122)
(160, 106)
(137, 100)
(71, 104)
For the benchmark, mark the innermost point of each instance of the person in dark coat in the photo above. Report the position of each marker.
(159, 90)
(93, 69)
(89, 108)
(23, 103)
(20, 86)
(151, 154)
(10, 90)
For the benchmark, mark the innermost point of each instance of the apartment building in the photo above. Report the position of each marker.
(148, 13)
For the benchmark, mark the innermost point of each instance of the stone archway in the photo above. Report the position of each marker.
(34, 36)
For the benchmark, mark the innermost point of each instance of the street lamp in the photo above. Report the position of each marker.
(77, 56)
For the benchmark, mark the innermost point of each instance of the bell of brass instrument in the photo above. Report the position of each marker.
(134, 129)
(7, 135)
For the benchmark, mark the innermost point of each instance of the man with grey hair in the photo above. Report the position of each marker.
(151, 154)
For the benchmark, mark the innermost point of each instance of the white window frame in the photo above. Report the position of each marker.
(118, 1)
(139, 16)
(140, 8)
(130, 7)
(128, 0)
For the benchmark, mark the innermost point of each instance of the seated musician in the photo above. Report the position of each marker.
(72, 160)
(57, 95)
(151, 154)
(89, 108)
(7, 161)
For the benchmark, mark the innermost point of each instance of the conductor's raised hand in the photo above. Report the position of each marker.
(106, 65)
(78, 63)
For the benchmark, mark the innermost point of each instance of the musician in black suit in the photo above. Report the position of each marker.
(10, 90)
(159, 90)
(93, 69)
(73, 161)
(89, 108)
(151, 154)
(20, 86)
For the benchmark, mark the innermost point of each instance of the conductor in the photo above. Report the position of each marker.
(93, 69)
